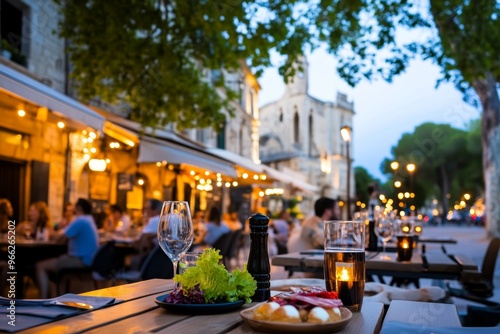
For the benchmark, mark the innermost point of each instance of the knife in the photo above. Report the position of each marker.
(33, 302)
(79, 305)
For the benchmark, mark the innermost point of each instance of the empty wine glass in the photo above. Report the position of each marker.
(384, 229)
(175, 230)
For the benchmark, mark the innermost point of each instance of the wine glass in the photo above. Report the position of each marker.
(175, 230)
(384, 229)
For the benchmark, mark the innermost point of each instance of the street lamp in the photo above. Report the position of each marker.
(345, 132)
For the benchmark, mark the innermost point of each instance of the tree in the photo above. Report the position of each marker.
(443, 155)
(151, 53)
(362, 179)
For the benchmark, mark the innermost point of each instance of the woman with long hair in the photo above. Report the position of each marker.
(5, 212)
(39, 224)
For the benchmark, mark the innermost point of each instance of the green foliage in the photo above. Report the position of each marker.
(448, 161)
(216, 282)
(363, 179)
(153, 55)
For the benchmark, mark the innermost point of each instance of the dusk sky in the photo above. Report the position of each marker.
(383, 111)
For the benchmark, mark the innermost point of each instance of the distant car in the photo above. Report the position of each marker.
(459, 217)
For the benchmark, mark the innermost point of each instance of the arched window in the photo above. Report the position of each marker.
(296, 127)
(311, 133)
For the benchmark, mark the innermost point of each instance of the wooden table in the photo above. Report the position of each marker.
(139, 313)
(435, 265)
(27, 253)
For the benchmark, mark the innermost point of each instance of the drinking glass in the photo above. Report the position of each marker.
(345, 261)
(384, 229)
(175, 230)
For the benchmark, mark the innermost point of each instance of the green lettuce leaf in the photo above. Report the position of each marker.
(215, 281)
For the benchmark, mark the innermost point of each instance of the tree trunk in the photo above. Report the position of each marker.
(486, 90)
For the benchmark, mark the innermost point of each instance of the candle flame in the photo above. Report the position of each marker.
(344, 276)
(405, 245)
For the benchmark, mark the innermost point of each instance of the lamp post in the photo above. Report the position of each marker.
(411, 169)
(345, 132)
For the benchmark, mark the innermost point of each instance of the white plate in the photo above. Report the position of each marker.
(287, 327)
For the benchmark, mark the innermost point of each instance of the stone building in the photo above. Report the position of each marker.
(301, 135)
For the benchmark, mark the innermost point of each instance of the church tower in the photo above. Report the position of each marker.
(299, 84)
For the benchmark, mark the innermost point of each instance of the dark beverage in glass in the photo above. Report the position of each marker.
(345, 273)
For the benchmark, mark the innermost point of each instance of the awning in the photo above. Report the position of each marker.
(237, 159)
(125, 136)
(288, 179)
(29, 89)
(152, 150)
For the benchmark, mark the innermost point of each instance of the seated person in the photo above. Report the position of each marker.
(231, 221)
(214, 228)
(6, 212)
(39, 224)
(280, 228)
(68, 216)
(311, 230)
(83, 243)
(117, 221)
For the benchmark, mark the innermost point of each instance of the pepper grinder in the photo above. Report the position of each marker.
(258, 259)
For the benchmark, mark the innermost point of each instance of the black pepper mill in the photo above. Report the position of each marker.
(258, 259)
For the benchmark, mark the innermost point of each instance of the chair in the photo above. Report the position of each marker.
(222, 244)
(231, 252)
(478, 286)
(156, 265)
(105, 263)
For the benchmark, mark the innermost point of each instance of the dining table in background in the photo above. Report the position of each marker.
(27, 253)
(434, 265)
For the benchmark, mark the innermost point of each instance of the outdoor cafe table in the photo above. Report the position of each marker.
(138, 313)
(27, 252)
(434, 265)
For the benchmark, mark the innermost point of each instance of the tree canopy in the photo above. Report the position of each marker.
(447, 160)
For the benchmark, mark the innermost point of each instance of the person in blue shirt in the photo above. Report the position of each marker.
(83, 241)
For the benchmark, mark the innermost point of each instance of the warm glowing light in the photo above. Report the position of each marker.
(90, 140)
(358, 203)
(60, 125)
(382, 197)
(363, 205)
(202, 181)
(108, 161)
(411, 168)
(462, 203)
(235, 183)
(219, 175)
(345, 132)
(97, 165)
(256, 177)
(207, 173)
(21, 113)
(170, 167)
(341, 203)
(402, 213)
(219, 184)
(197, 177)
(92, 135)
(344, 271)
(467, 197)
(405, 244)
(261, 194)
(394, 165)
(158, 164)
(397, 184)
(401, 195)
(85, 150)
(412, 207)
(93, 150)
(405, 229)
(245, 176)
(263, 177)
(407, 195)
(140, 182)
(86, 157)
(228, 184)
(192, 172)
(418, 229)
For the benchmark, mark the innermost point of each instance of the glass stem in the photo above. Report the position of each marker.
(175, 263)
